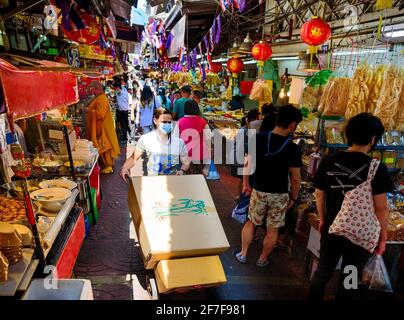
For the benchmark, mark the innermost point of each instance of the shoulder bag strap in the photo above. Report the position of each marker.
(372, 169)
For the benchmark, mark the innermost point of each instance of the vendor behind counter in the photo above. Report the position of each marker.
(28, 135)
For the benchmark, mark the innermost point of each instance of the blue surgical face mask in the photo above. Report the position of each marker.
(166, 127)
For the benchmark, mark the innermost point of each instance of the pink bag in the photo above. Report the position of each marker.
(357, 220)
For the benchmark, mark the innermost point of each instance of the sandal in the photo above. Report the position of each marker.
(239, 257)
(262, 264)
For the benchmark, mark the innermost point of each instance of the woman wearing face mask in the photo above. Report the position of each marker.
(166, 153)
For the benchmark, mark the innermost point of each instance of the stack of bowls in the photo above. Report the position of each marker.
(84, 150)
(10, 243)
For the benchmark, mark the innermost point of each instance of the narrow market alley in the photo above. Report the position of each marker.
(110, 255)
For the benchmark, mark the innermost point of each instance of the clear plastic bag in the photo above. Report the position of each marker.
(375, 275)
(240, 212)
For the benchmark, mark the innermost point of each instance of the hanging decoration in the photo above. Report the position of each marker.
(261, 52)
(88, 35)
(215, 67)
(218, 29)
(235, 66)
(315, 32)
(384, 4)
(206, 41)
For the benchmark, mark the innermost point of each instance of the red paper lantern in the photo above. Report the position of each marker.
(215, 67)
(315, 32)
(261, 51)
(235, 65)
(88, 35)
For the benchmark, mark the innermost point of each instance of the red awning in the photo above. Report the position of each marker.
(28, 93)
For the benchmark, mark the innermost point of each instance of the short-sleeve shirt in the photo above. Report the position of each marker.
(272, 168)
(163, 158)
(123, 100)
(179, 107)
(342, 172)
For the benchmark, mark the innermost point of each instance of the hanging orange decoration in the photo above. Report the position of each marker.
(315, 32)
(235, 66)
(261, 51)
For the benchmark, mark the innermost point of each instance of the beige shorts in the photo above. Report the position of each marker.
(271, 206)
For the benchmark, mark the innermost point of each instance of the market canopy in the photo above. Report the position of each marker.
(29, 92)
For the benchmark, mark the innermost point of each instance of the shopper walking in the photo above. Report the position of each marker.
(338, 174)
(166, 154)
(179, 105)
(197, 97)
(164, 101)
(280, 159)
(241, 143)
(197, 136)
(122, 111)
(147, 105)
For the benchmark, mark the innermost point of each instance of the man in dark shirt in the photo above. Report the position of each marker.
(337, 174)
(277, 159)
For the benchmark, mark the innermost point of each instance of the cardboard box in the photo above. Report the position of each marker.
(189, 273)
(175, 217)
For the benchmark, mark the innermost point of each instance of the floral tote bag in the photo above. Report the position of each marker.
(357, 220)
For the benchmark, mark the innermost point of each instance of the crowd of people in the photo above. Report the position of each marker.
(174, 139)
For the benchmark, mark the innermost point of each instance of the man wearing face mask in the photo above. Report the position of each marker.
(277, 161)
(166, 154)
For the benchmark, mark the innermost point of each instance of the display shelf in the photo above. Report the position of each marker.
(89, 172)
(16, 274)
(395, 242)
(26, 280)
(59, 220)
(378, 147)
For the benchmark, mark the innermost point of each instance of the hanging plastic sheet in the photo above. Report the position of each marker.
(28, 93)
(178, 33)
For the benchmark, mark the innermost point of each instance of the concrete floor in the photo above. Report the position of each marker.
(110, 257)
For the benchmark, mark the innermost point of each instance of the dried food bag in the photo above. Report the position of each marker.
(335, 97)
(314, 89)
(400, 112)
(387, 107)
(360, 90)
(375, 275)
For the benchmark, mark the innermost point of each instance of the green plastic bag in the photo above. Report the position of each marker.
(94, 207)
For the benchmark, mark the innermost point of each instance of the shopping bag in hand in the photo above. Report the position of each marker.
(375, 275)
(240, 212)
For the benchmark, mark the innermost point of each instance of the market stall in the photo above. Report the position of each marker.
(42, 228)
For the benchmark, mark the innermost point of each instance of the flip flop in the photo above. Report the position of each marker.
(239, 257)
(262, 264)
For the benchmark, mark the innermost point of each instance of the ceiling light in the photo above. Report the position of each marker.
(246, 46)
(250, 62)
(361, 52)
(285, 58)
(219, 60)
(395, 34)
